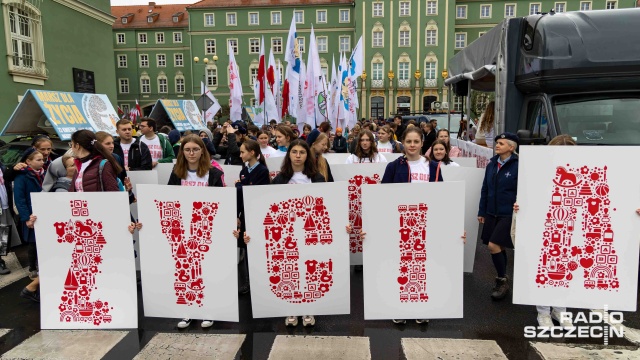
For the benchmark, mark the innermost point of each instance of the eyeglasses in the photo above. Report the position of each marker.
(191, 150)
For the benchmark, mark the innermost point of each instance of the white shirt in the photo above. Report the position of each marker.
(419, 170)
(194, 180)
(125, 151)
(353, 159)
(385, 147)
(299, 178)
(278, 153)
(83, 167)
(271, 152)
(154, 147)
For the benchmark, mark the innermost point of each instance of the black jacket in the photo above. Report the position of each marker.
(279, 179)
(215, 178)
(340, 144)
(429, 139)
(139, 157)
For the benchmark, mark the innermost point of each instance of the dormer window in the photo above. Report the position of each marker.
(177, 17)
(152, 17)
(149, 19)
(124, 20)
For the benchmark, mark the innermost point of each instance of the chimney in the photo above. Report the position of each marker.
(152, 3)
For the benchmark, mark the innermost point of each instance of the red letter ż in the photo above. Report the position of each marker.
(413, 254)
(355, 209)
(582, 188)
(188, 252)
(282, 249)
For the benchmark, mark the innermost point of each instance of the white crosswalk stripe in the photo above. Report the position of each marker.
(17, 271)
(548, 351)
(287, 347)
(450, 349)
(66, 344)
(191, 346)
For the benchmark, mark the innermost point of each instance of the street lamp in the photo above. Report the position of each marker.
(363, 78)
(445, 75)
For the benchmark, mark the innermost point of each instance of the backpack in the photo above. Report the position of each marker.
(120, 185)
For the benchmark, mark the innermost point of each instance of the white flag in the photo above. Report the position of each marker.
(344, 115)
(334, 94)
(270, 107)
(294, 64)
(300, 101)
(235, 88)
(213, 109)
(317, 89)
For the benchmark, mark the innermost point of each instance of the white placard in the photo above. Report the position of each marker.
(305, 268)
(466, 161)
(86, 265)
(336, 158)
(164, 172)
(577, 233)
(274, 164)
(137, 178)
(231, 174)
(353, 177)
(472, 178)
(392, 156)
(413, 253)
(188, 252)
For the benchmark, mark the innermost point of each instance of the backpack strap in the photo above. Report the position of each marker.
(102, 162)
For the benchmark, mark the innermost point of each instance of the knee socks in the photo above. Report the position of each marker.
(500, 263)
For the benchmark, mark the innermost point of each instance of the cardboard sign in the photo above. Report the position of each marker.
(87, 270)
(183, 114)
(577, 229)
(298, 253)
(231, 174)
(138, 178)
(188, 253)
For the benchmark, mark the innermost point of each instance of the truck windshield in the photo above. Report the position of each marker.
(596, 120)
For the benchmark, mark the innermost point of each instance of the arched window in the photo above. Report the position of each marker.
(431, 34)
(404, 70)
(25, 47)
(163, 86)
(377, 71)
(431, 70)
(145, 83)
(404, 34)
(179, 82)
(377, 35)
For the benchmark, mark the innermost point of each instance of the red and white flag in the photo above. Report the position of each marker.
(259, 87)
(272, 89)
(235, 88)
(135, 113)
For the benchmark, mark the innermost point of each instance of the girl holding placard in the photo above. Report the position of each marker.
(193, 168)
(319, 147)
(440, 154)
(266, 149)
(365, 150)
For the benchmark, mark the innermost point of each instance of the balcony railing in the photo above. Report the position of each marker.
(403, 83)
(430, 83)
(377, 84)
(27, 67)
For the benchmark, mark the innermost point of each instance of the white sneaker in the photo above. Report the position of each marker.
(184, 323)
(564, 323)
(308, 320)
(206, 324)
(544, 321)
(399, 321)
(291, 321)
(422, 321)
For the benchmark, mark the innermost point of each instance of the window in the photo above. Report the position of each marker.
(180, 84)
(254, 74)
(122, 61)
(560, 7)
(276, 18)
(457, 103)
(432, 37)
(534, 9)
(481, 33)
(209, 20)
(325, 70)
(124, 86)
(585, 5)
(24, 40)
(163, 88)
(377, 9)
(299, 16)
(178, 60)
(321, 16)
(345, 43)
(405, 8)
(161, 60)
(485, 11)
(405, 38)
(432, 7)
(210, 46)
(145, 85)
(322, 42)
(144, 60)
(345, 15)
(461, 40)
(301, 43)
(177, 37)
(254, 46)
(378, 39)
(125, 20)
(430, 70)
(377, 71)
(461, 11)
(125, 108)
(142, 38)
(212, 77)
(377, 107)
(612, 5)
(509, 10)
(403, 71)
(254, 18)
(231, 19)
(121, 38)
(276, 45)
(159, 38)
(233, 43)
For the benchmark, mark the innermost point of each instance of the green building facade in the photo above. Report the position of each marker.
(46, 40)
(407, 44)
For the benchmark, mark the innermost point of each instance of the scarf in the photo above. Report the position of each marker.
(38, 174)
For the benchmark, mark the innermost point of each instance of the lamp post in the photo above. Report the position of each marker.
(445, 75)
(363, 78)
(205, 62)
(417, 74)
(391, 75)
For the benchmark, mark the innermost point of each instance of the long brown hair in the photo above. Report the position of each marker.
(86, 139)
(488, 117)
(252, 145)
(310, 168)
(323, 168)
(373, 150)
(287, 132)
(204, 164)
(446, 159)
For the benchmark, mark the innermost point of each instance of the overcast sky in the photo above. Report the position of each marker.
(141, 2)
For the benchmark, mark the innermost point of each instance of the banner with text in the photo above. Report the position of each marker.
(183, 114)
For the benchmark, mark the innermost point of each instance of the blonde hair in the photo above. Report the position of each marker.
(323, 168)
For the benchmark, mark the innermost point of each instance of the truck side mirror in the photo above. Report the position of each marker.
(526, 138)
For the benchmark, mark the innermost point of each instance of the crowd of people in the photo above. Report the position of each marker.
(97, 162)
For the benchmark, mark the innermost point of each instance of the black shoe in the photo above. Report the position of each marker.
(3, 268)
(501, 289)
(31, 295)
(357, 268)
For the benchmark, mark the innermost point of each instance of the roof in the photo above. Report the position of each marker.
(140, 13)
(204, 4)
